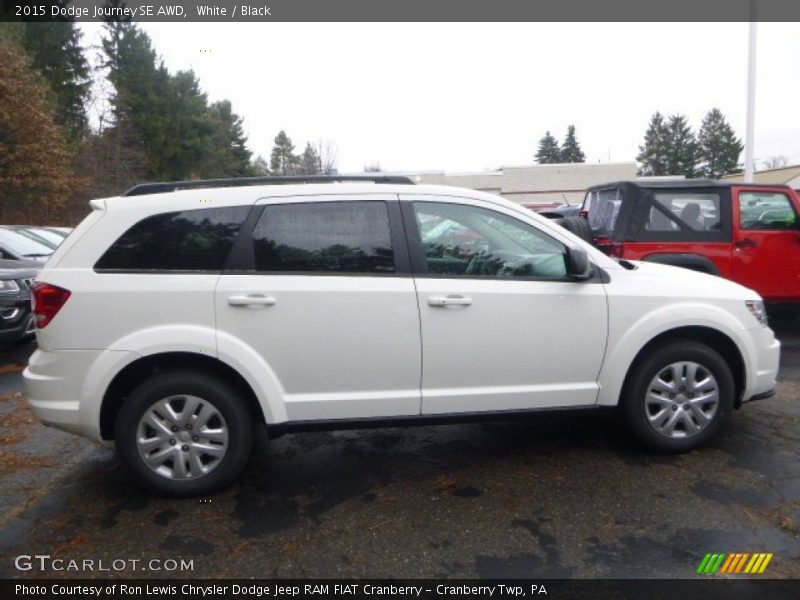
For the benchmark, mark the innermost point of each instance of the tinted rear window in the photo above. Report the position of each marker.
(324, 237)
(191, 240)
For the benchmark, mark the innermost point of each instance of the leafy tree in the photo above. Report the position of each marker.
(309, 162)
(571, 150)
(548, 151)
(260, 167)
(652, 155)
(282, 160)
(35, 174)
(680, 147)
(718, 148)
(168, 116)
(55, 51)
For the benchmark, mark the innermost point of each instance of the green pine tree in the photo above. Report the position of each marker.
(680, 147)
(548, 151)
(56, 53)
(309, 162)
(652, 155)
(718, 148)
(282, 159)
(571, 150)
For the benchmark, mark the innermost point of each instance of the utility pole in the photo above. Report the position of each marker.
(749, 167)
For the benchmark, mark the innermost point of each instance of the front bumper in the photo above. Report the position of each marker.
(15, 321)
(763, 374)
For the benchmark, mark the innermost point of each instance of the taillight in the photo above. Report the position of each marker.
(616, 250)
(584, 214)
(47, 301)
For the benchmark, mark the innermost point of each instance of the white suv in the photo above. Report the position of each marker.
(179, 316)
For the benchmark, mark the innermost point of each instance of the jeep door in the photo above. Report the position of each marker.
(766, 253)
(503, 328)
(319, 296)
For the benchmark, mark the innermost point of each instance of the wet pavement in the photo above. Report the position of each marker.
(558, 496)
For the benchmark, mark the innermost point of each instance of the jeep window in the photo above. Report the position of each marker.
(186, 241)
(684, 212)
(468, 241)
(603, 208)
(764, 210)
(324, 237)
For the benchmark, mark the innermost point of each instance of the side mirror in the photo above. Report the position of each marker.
(578, 265)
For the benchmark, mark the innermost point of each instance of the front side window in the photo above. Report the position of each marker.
(324, 237)
(469, 241)
(186, 241)
(684, 212)
(764, 210)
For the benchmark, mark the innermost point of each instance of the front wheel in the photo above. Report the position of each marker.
(679, 397)
(184, 433)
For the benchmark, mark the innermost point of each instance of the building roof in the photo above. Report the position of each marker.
(782, 175)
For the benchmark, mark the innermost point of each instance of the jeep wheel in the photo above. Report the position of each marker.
(184, 433)
(579, 226)
(679, 397)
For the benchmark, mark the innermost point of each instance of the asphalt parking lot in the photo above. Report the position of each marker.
(552, 497)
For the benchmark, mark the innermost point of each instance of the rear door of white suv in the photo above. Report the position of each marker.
(503, 328)
(319, 295)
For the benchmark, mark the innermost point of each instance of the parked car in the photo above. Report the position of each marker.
(48, 236)
(184, 314)
(747, 233)
(20, 250)
(16, 319)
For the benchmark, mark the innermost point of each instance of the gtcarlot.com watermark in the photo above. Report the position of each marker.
(45, 562)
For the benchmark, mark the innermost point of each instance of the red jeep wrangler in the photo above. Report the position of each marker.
(747, 233)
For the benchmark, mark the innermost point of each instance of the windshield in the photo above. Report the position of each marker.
(23, 246)
(50, 237)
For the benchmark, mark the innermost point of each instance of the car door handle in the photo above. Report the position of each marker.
(746, 243)
(449, 301)
(251, 300)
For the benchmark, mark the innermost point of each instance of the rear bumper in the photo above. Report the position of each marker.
(65, 388)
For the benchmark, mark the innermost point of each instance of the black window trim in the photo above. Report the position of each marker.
(419, 262)
(241, 260)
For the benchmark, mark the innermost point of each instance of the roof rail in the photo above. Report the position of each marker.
(174, 186)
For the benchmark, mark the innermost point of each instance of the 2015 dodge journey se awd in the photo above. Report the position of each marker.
(179, 316)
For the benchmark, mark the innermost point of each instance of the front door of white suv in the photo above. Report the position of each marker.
(325, 308)
(503, 327)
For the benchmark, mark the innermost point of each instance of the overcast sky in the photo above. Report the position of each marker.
(466, 97)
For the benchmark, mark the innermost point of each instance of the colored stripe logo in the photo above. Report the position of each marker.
(737, 562)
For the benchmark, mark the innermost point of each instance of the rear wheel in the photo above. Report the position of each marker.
(579, 226)
(679, 397)
(184, 433)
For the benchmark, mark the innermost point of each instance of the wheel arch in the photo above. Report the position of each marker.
(713, 338)
(695, 262)
(126, 380)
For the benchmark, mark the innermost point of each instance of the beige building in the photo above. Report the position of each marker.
(784, 175)
(536, 184)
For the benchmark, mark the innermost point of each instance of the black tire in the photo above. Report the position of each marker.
(579, 226)
(225, 398)
(633, 402)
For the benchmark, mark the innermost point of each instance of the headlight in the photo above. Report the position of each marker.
(8, 286)
(756, 308)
